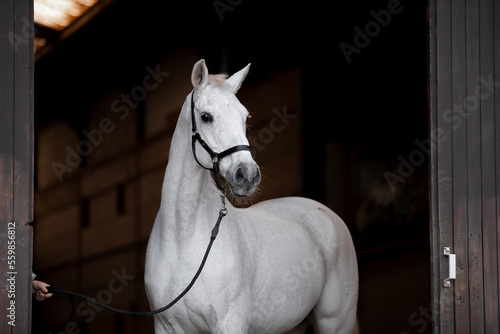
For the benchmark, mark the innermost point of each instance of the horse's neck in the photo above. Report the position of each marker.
(189, 197)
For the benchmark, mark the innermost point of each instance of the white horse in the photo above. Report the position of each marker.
(275, 267)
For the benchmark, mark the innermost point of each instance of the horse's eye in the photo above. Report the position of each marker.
(206, 117)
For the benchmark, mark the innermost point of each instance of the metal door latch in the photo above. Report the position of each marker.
(452, 273)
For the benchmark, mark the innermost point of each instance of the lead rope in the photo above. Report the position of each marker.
(71, 294)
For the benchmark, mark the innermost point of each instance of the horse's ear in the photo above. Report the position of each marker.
(237, 78)
(199, 77)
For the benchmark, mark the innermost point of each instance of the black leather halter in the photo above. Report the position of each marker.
(216, 157)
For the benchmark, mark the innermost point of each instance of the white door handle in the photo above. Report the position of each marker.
(452, 272)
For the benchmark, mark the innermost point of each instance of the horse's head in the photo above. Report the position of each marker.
(220, 119)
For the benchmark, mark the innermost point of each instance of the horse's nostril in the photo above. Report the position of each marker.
(239, 176)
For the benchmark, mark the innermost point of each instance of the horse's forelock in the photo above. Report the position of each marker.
(218, 80)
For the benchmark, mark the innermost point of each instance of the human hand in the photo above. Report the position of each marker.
(40, 290)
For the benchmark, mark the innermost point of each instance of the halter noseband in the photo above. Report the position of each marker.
(216, 157)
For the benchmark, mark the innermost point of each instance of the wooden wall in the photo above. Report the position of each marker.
(464, 105)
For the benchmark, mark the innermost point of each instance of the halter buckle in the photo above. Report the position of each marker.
(223, 210)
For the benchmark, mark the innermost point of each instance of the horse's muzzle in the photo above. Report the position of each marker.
(244, 179)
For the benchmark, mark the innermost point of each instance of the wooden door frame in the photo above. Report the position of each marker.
(16, 163)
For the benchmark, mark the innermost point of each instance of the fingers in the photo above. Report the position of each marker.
(40, 296)
(41, 290)
(37, 285)
(43, 286)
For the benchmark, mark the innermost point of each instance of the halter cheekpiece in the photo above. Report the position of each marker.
(216, 157)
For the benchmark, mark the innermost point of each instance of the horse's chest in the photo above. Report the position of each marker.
(219, 280)
(206, 301)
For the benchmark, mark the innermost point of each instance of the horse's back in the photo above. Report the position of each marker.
(316, 219)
